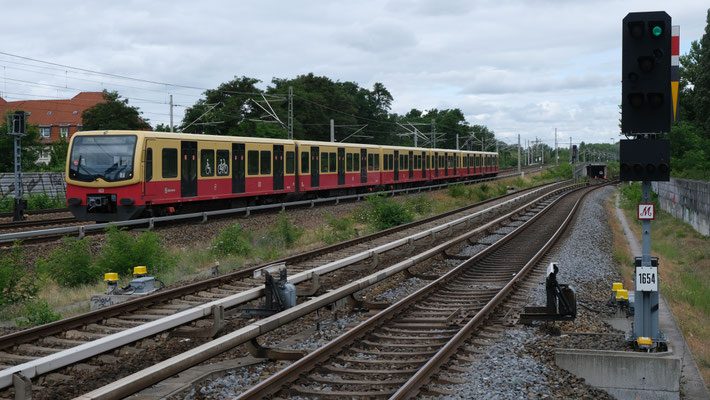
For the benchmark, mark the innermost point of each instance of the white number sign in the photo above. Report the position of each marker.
(646, 211)
(647, 279)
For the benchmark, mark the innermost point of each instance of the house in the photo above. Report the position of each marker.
(56, 118)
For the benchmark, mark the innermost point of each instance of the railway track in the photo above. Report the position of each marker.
(56, 228)
(87, 335)
(396, 352)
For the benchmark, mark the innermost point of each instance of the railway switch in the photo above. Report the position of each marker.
(561, 301)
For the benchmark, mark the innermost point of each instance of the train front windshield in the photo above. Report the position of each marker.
(106, 157)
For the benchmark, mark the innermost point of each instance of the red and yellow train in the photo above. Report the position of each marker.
(120, 175)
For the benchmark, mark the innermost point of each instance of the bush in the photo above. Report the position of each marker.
(71, 265)
(42, 201)
(37, 313)
(123, 251)
(386, 213)
(419, 205)
(457, 190)
(632, 193)
(232, 241)
(17, 282)
(338, 230)
(286, 232)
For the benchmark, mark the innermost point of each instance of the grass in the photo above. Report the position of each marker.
(684, 269)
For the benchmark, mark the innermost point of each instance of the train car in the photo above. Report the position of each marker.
(119, 175)
(327, 167)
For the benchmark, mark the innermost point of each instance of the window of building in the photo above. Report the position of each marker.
(265, 168)
(63, 132)
(304, 162)
(253, 162)
(333, 162)
(207, 162)
(44, 132)
(290, 162)
(170, 163)
(222, 162)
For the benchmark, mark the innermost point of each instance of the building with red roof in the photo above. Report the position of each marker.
(56, 118)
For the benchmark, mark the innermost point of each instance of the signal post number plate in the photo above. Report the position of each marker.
(647, 279)
(646, 211)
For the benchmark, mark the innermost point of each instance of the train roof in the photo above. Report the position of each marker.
(336, 144)
(192, 136)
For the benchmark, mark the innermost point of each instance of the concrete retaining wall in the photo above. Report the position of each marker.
(51, 183)
(686, 199)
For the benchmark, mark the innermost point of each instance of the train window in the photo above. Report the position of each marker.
(406, 162)
(377, 162)
(290, 162)
(253, 160)
(170, 165)
(323, 162)
(265, 165)
(304, 162)
(222, 162)
(207, 162)
(148, 164)
(391, 162)
(333, 162)
(356, 162)
(370, 162)
(349, 162)
(428, 162)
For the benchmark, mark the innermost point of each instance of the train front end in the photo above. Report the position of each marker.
(103, 176)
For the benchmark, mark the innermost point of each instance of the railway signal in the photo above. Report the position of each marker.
(647, 107)
(646, 73)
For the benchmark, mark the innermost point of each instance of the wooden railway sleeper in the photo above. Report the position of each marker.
(207, 332)
(259, 351)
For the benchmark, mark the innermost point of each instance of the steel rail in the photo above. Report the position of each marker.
(131, 384)
(292, 372)
(37, 332)
(410, 389)
(72, 355)
(81, 230)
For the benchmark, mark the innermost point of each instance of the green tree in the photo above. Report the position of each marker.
(227, 110)
(115, 113)
(30, 144)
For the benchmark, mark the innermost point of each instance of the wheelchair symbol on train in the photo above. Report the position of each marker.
(222, 168)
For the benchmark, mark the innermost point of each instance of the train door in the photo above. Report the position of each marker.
(188, 168)
(396, 165)
(468, 164)
(315, 167)
(238, 182)
(446, 164)
(278, 167)
(363, 165)
(435, 161)
(423, 165)
(411, 165)
(341, 166)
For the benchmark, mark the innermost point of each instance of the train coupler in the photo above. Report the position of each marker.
(561, 301)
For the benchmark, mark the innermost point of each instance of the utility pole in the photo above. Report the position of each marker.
(433, 133)
(542, 153)
(518, 153)
(290, 112)
(571, 157)
(557, 154)
(16, 128)
(457, 142)
(171, 113)
(332, 130)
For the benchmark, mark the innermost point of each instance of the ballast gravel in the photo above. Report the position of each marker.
(520, 362)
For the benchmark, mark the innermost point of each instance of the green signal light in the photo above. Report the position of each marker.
(657, 31)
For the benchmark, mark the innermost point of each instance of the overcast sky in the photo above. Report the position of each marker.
(518, 67)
